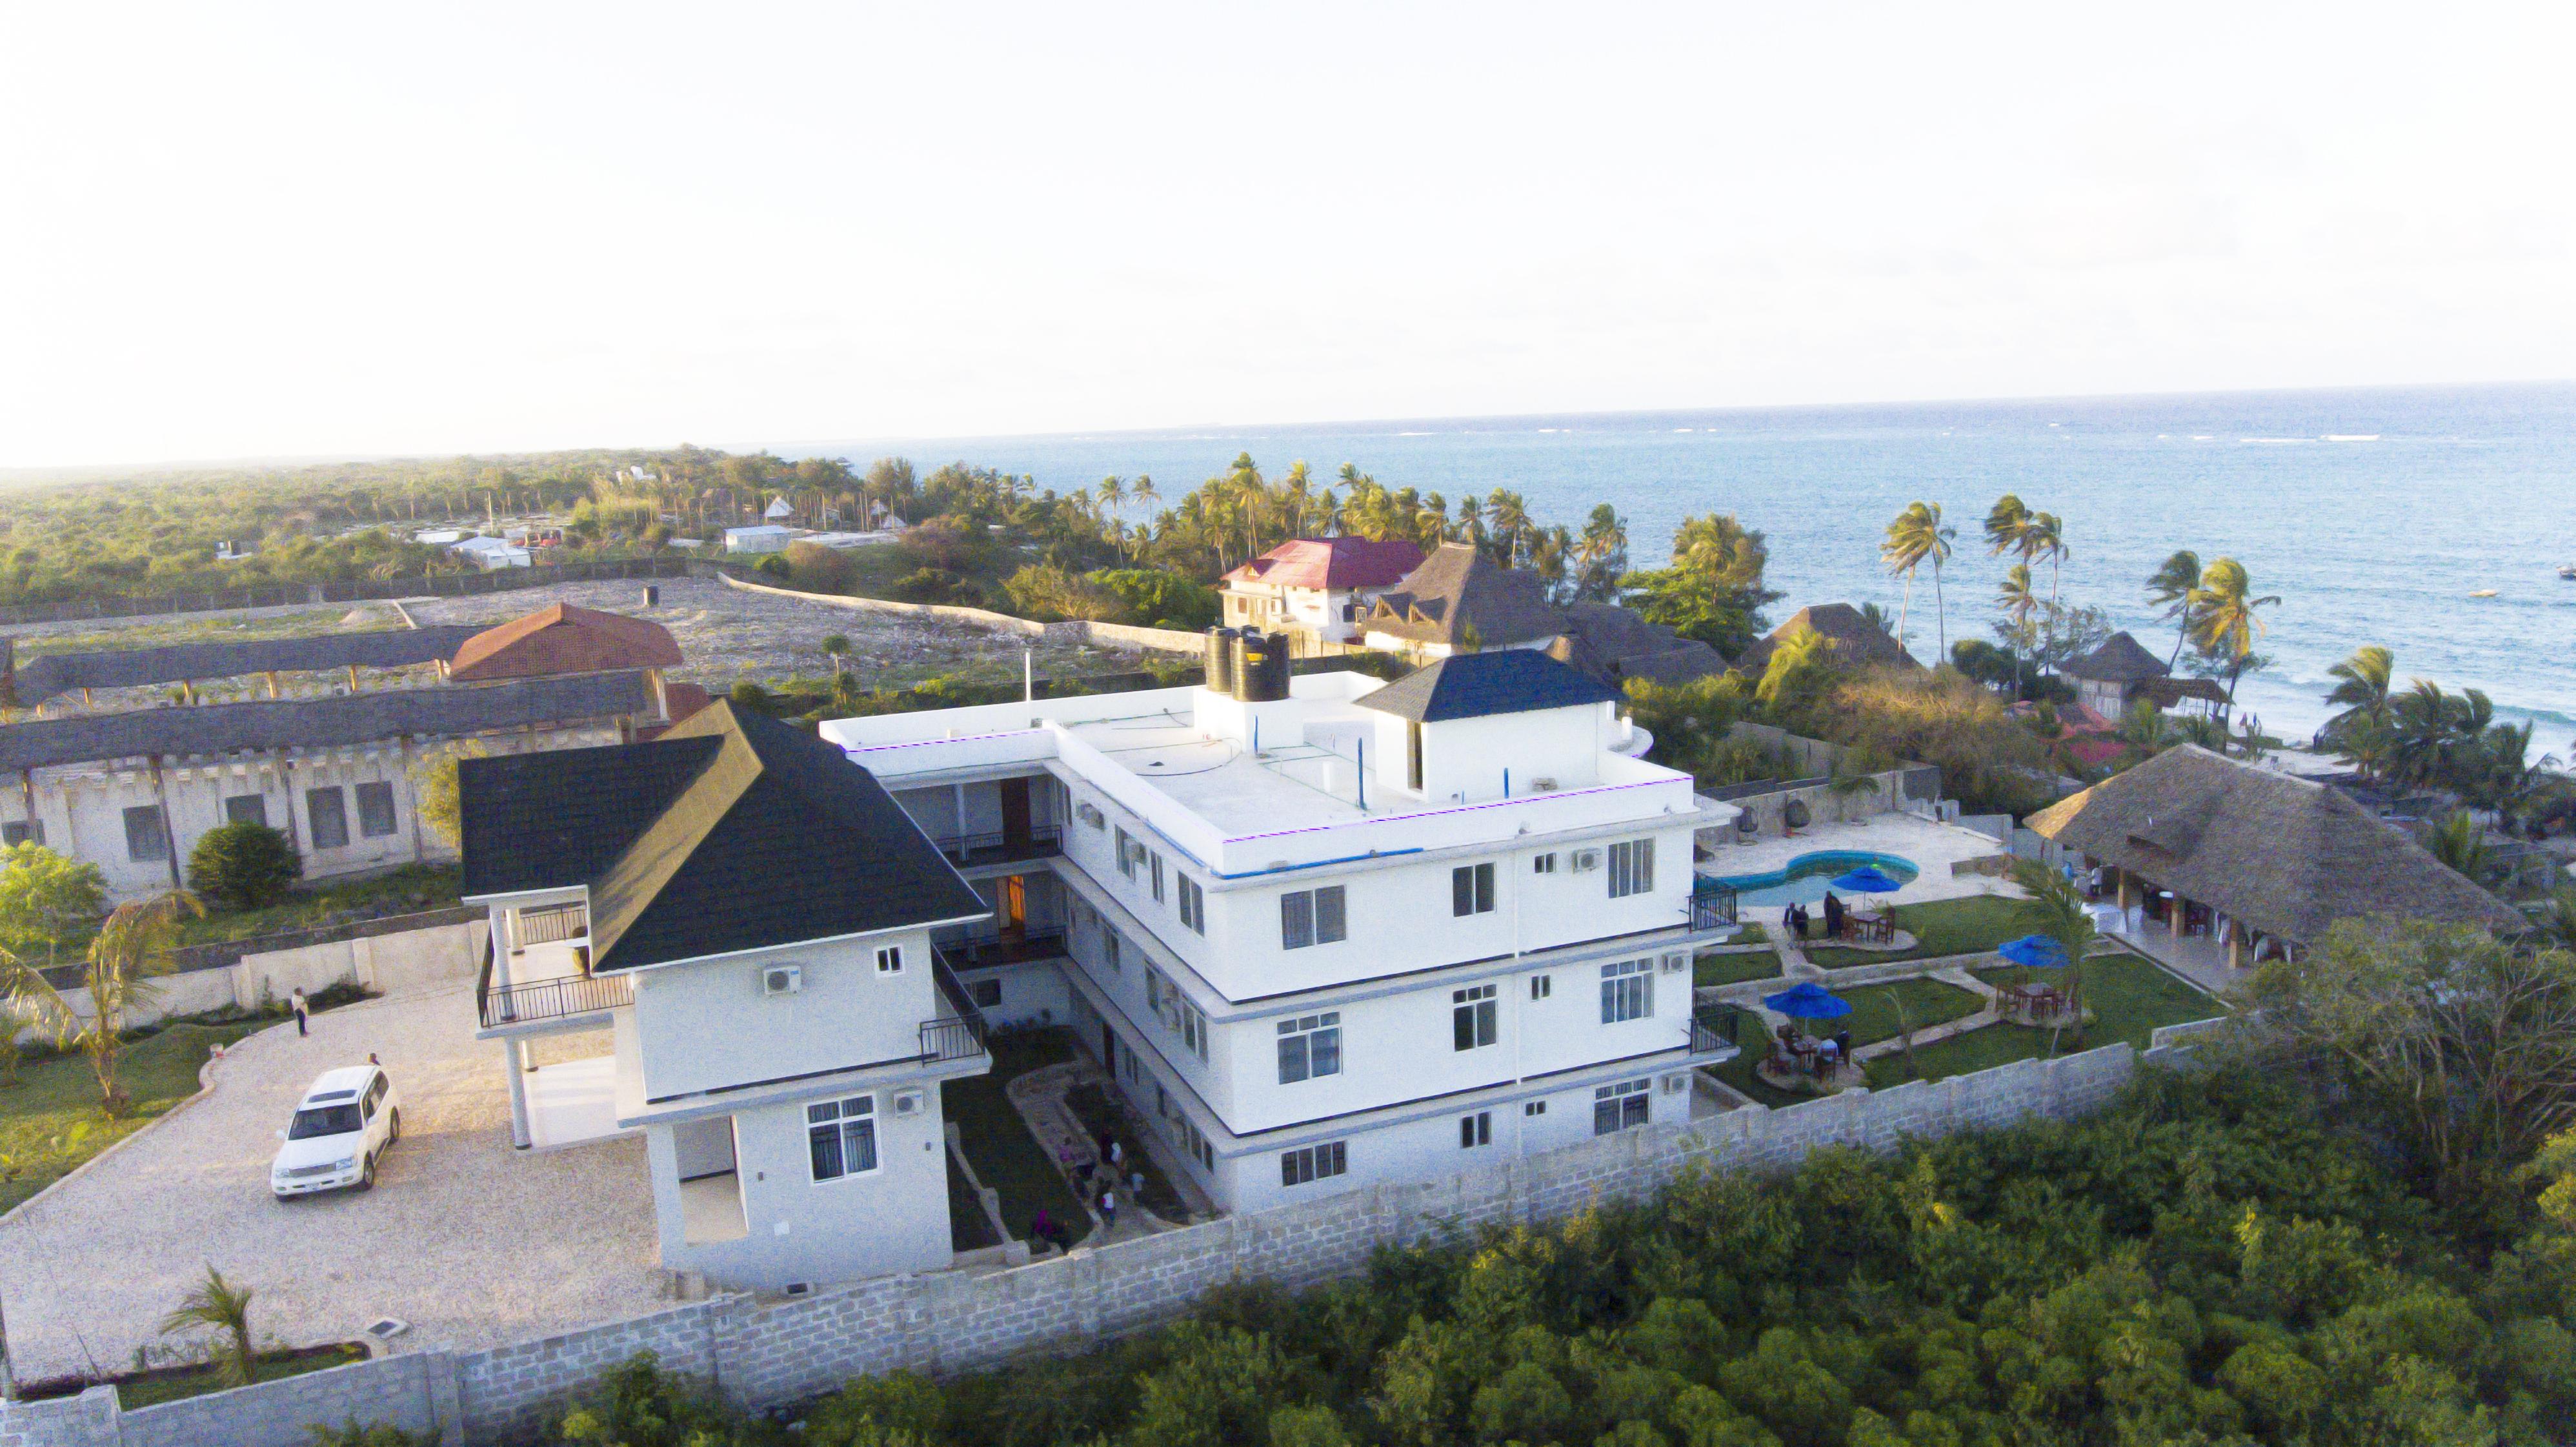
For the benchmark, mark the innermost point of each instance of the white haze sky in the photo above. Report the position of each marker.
(251, 230)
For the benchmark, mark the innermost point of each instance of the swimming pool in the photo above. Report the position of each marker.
(1806, 877)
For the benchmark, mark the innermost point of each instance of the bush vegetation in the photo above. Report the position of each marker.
(243, 865)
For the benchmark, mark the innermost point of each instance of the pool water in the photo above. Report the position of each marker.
(1807, 877)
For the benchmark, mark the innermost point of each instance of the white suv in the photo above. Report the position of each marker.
(348, 1119)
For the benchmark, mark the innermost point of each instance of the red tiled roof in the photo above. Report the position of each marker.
(1331, 563)
(563, 639)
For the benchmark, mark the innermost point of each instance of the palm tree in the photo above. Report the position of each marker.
(2018, 601)
(2362, 687)
(2227, 618)
(1603, 555)
(216, 1305)
(1915, 538)
(2171, 589)
(1113, 493)
(1507, 514)
(131, 952)
(1142, 491)
(2057, 908)
(2005, 523)
(2045, 536)
(2460, 841)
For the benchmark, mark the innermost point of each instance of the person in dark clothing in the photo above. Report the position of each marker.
(1833, 917)
(1842, 1042)
(296, 1003)
(1789, 919)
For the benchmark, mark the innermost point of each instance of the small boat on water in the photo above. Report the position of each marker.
(2568, 572)
(2484, 593)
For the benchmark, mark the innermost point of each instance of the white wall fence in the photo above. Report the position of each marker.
(1122, 636)
(764, 1353)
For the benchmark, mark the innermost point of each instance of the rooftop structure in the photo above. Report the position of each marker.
(1315, 587)
(2283, 856)
(1460, 597)
(1612, 644)
(765, 538)
(50, 675)
(563, 639)
(2114, 677)
(1856, 640)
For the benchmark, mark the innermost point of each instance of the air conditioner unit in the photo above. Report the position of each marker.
(1586, 859)
(1090, 814)
(782, 979)
(1676, 1084)
(1674, 964)
(907, 1102)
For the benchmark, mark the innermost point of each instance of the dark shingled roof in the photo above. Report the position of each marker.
(1610, 643)
(358, 718)
(564, 639)
(1856, 640)
(731, 832)
(53, 674)
(1458, 588)
(1474, 685)
(2286, 855)
(2120, 659)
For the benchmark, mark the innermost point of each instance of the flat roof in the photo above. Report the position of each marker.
(1241, 793)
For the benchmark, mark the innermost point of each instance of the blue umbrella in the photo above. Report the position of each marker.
(1808, 1001)
(2039, 952)
(1867, 880)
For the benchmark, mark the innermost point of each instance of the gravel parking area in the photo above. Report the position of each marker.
(472, 1242)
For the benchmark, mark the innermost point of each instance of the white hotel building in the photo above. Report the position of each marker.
(1330, 932)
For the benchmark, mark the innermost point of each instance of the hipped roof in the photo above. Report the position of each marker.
(1477, 685)
(563, 639)
(2285, 855)
(1856, 640)
(2120, 659)
(1458, 588)
(49, 675)
(1331, 563)
(731, 832)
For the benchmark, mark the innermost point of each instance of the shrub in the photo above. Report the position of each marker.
(936, 585)
(774, 566)
(949, 544)
(243, 865)
(1161, 598)
(819, 569)
(1048, 593)
(46, 898)
(374, 1434)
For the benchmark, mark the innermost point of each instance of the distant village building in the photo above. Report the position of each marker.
(2111, 680)
(1857, 641)
(492, 554)
(1316, 589)
(1459, 600)
(765, 538)
(132, 791)
(779, 511)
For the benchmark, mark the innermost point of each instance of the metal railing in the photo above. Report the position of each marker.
(955, 1038)
(552, 999)
(1042, 841)
(552, 925)
(985, 951)
(1706, 1040)
(1712, 905)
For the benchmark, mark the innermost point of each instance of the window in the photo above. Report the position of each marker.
(1311, 917)
(375, 810)
(1309, 1046)
(987, 994)
(1109, 950)
(1413, 756)
(31, 832)
(1620, 1107)
(1471, 889)
(1543, 864)
(1158, 874)
(1542, 986)
(1471, 1017)
(841, 1137)
(246, 809)
(1193, 904)
(1194, 1029)
(1632, 868)
(1627, 991)
(329, 812)
(143, 836)
(1312, 1163)
(1475, 1130)
(1195, 1142)
(1534, 1107)
(889, 959)
(1126, 854)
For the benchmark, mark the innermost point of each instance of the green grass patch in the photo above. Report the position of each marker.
(1971, 925)
(997, 1141)
(1735, 969)
(2128, 996)
(1927, 1003)
(50, 1120)
(172, 1384)
(969, 1228)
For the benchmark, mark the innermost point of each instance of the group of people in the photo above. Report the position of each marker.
(1795, 918)
(1829, 1054)
(1099, 1180)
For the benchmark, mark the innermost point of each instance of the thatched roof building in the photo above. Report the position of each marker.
(2286, 856)
(1857, 641)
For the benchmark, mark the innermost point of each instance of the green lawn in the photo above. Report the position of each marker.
(968, 1227)
(997, 1141)
(1927, 1003)
(172, 1385)
(50, 1121)
(1099, 1111)
(2129, 998)
(399, 891)
(1943, 927)
(1734, 969)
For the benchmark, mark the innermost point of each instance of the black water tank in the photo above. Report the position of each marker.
(1220, 659)
(1261, 670)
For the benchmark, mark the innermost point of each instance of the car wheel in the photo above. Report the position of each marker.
(393, 1126)
(367, 1176)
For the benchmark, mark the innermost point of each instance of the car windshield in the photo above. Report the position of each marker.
(322, 1121)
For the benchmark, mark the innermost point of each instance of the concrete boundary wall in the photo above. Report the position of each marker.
(384, 963)
(1121, 636)
(767, 1352)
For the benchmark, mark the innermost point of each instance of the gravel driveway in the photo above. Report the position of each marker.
(473, 1243)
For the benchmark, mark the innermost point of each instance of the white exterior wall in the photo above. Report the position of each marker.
(705, 1024)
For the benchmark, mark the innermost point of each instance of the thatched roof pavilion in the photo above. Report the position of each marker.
(2278, 854)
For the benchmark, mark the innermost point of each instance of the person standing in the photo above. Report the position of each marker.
(296, 1003)
(1109, 1209)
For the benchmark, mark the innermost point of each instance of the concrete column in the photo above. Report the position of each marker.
(515, 1057)
(2128, 890)
(2236, 948)
(2181, 907)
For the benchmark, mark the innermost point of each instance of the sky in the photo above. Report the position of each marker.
(293, 231)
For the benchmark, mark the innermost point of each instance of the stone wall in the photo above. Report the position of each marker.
(767, 1352)
(382, 962)
(1122, 636)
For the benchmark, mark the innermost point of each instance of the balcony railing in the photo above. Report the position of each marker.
(1040, 842)
(1708, 1042)
(541, 1000)
(1712, 905)
(985, 951)
(552, 926)
(952, 1038)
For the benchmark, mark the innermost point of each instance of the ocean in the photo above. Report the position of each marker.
(2374, 514)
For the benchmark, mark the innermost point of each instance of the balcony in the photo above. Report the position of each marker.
(985, 951)
(957, 1036)
(1709, 1045)
(1043, 841)
(564, 991)
(1712, 905)
(552, 926)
